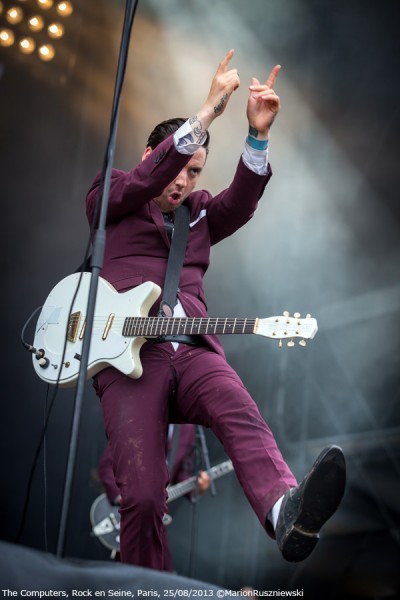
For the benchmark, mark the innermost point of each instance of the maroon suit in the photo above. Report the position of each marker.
(180, 470)
(179, 451)
(193, 384)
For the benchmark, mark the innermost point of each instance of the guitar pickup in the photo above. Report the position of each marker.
(108, 326)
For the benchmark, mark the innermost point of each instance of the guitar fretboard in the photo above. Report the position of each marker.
(158, 326)
(182, 488)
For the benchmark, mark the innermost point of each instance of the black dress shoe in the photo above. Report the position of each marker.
(308, 506)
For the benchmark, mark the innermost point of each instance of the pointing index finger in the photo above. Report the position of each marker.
(223, 65)
(272, 76)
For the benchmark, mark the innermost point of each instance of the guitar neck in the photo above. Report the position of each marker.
(159, 326)
(180, 489)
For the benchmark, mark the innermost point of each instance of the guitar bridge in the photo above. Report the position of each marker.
(73, 326)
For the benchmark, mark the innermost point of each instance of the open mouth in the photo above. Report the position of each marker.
(175, 198)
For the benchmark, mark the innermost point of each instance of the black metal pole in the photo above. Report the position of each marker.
(97, 262)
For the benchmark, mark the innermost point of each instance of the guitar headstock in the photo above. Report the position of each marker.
(287, 327)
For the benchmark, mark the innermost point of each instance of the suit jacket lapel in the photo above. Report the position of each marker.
(158, 219)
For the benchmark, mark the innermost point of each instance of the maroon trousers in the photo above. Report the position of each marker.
(193, 385)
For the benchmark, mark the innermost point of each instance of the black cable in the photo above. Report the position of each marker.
(33, 350)
(127, 27)
(24, 343)
(47, 414)
(33, 469)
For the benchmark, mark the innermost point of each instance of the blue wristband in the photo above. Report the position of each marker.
(257, 144)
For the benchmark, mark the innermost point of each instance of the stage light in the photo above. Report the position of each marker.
(55, 30)
(46, 52)
(27, 45)
(64, 8)
(36, 23)
(14, 15)
(29, 31)
(45, 4)
(7, 37)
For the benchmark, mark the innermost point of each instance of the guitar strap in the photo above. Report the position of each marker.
(175, 261)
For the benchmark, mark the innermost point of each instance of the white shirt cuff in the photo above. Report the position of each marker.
(255, 160)
(184, 139)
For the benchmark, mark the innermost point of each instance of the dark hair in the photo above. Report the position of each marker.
(167, 128)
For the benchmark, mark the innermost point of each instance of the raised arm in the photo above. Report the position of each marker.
(224, 83)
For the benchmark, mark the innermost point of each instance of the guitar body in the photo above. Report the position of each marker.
(105, 520)
(109, 347)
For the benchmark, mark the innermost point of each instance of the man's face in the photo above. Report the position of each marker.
(184, 183)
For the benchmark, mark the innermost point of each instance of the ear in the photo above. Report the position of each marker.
(147, 152)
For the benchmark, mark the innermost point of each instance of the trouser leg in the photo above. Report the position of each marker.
(212, 394)
(136, 419)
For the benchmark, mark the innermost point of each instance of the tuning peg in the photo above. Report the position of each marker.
(290, 343)
(308, 316)
(286, 313)
(296, 315)
(302, 342)
(280, 344)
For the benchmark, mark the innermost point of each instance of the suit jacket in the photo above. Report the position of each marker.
(137, 244)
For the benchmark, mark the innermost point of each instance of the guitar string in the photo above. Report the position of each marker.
(148, 326)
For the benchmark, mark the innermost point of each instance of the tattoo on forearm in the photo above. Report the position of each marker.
(253, 131)
(197, 129)
(221, 105)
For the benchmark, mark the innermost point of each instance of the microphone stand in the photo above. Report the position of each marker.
(201, 442)
(96, 263)
(205, 455)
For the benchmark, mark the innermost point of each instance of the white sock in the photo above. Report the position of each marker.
(274, 512)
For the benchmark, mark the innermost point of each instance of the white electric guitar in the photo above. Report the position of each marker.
(121, 326)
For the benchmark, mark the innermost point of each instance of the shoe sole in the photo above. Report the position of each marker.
(322, 494)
